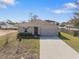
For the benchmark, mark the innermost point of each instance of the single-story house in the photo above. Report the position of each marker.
(39, 27)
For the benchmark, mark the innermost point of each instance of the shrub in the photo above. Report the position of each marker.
(24, 35)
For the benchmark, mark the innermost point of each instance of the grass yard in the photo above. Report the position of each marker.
(70, 40)
(28, 48)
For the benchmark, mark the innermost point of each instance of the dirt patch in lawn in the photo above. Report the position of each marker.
(4, 32)
(27, 49)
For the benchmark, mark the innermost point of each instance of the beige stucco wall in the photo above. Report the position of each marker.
(42, 27)
(21, 29)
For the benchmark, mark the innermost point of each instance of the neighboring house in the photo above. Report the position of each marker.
(71, 29)
(5, 25)
(39, 27)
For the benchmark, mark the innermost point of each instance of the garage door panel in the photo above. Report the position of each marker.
(48, 31)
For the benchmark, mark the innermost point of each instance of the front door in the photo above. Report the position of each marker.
(35, 30)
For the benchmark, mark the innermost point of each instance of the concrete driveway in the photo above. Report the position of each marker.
(55, 48)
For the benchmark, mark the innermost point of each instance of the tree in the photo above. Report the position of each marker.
(76, 14)
(75, 19)
(33, 17)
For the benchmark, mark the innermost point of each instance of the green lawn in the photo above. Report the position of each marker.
(27, 45)
(70, 40)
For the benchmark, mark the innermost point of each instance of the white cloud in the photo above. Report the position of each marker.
(66, 8)
(70, 5)
(61, 11)
(9, 2)
(6, 3)
(57, 11)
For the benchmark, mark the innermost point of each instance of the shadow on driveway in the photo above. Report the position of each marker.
(49, 38)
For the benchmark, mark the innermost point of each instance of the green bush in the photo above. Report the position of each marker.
(26, 36)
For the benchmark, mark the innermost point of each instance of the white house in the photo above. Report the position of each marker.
(39, 27)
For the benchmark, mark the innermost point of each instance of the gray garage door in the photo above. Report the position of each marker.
(48, 31)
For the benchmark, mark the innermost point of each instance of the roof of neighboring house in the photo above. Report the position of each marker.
(36, 23)
(49, 21)
(2, 23)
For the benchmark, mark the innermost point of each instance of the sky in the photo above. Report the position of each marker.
(19, 10)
